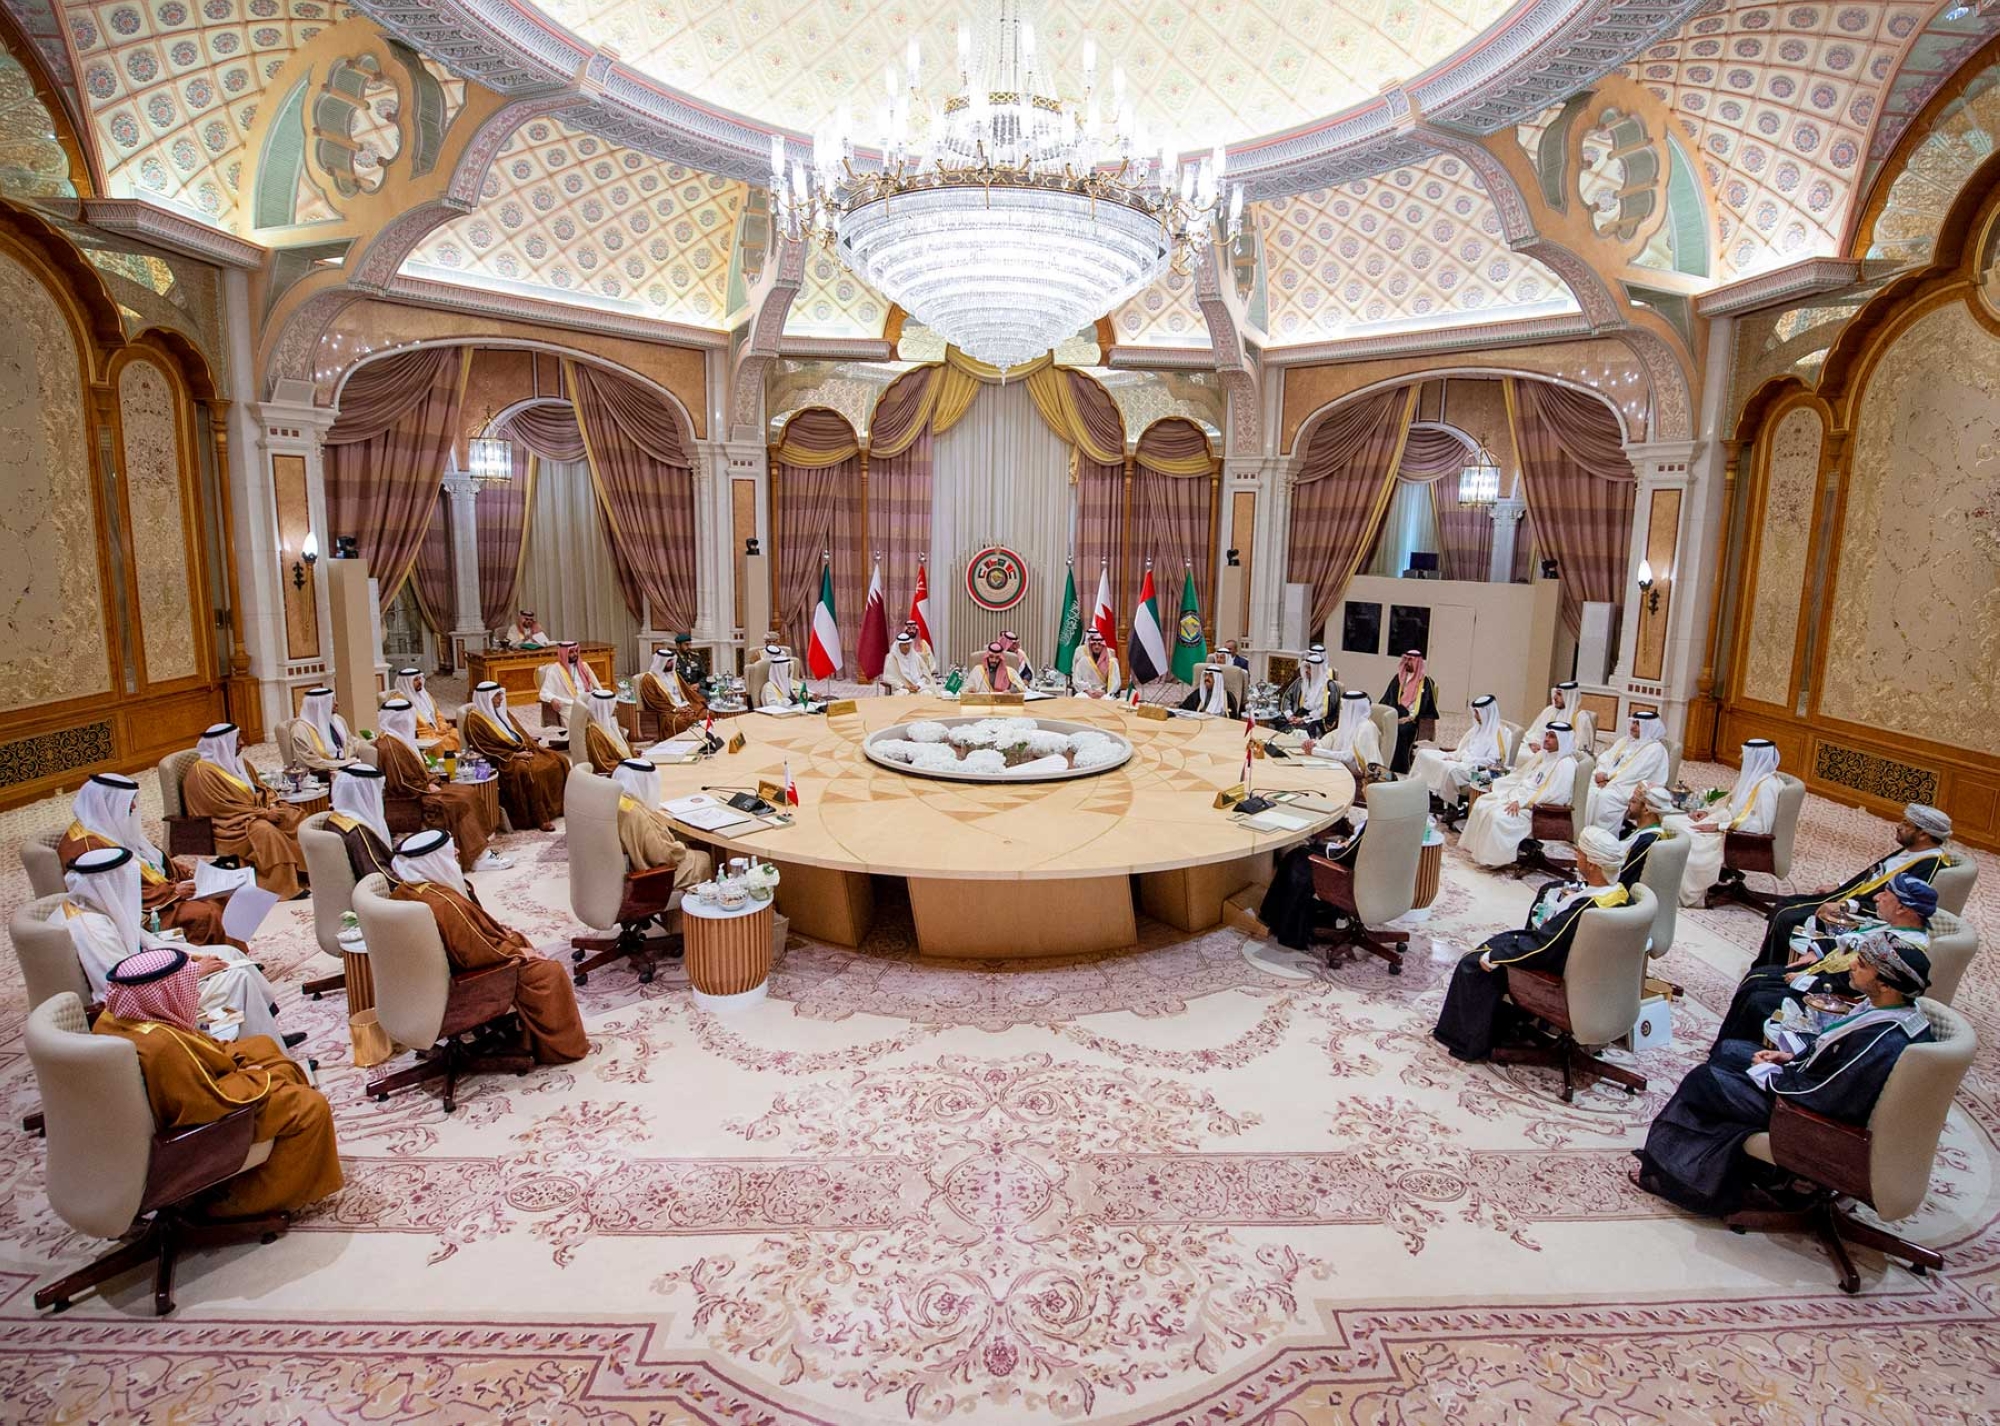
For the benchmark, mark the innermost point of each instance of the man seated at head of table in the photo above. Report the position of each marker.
(426, 870)
(1211, 689)
(102, 915)
(991, 673)
(105, 816)
(459, 808)
(1354, 739)
(905, 671)
(1502, 819)
(1095, 671)
(526, 632)
(1920, 851)
(531, 777)
(1475, 1005)
(666, 694)
(781, 686)
(644, 831)
(432, 726)
(1558, 710)
(566, 680)
(320, 738)
(152, 1001)
(604, 743)
(1823, 954)
(249, 819)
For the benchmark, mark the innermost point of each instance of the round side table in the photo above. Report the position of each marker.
(371, 1043)
(727, 953)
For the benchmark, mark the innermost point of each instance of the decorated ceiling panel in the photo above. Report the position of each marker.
(1164, 315)
(1960, 136)
(568, 216)
(33, 163)
(1419, 246)
(1776, 103)
(833, 302)
(1203, 72)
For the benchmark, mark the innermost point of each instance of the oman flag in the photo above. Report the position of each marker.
(874, 650)
(823, 650)
(920, 603)
(1103, 617)
(1149, 651)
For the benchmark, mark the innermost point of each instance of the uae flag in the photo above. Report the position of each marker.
(874, 649)
(920, 603)
(1149, 651)
(823, 650)
(1103, 617)
(1069, 632)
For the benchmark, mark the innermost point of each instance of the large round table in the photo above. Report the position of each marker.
(1008, 869)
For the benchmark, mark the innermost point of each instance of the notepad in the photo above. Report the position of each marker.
(1277, 819)
(713, 819)
(694, 802)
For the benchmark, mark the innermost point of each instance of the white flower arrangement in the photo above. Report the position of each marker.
(928, 731)
(1097, 752)
(934, 757)
(900, 750)
(990, 761)
(973, 735)
(1012, 735)
(1043, 743)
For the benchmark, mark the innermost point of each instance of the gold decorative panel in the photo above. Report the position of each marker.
(50, 754)
(1886, 778)
(166, 576)
(1663, 524)
(1784, 543)
(52, 614)
(1916, 617)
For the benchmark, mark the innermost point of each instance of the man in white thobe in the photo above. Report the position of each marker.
(1752, 806)
(1639, 758)
(1354, 740)
(905, 671)
(1448, 772)
(568, 680)
(779, 689)
(1503, 818)
(1095, 671)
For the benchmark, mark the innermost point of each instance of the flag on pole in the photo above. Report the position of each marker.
(1190, 643)
(1249, 749)
(823, 650)
(874, 651)
(791, 788)
(1149, 651)
(1103, 617)
(1069, 630)
(920, 603)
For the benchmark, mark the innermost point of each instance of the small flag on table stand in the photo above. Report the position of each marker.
(791, 788)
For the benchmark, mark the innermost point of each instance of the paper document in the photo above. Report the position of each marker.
(680, 806)
(245, 911)
(714, 819)
(212, 880)
(1277, 819)
(1764, 1073)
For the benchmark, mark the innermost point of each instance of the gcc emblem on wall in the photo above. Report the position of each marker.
(996, 578)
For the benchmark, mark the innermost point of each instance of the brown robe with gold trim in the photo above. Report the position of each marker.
(455, 807)
(473, 940)
(171, 896)
(601, 750)
(650, 842)
(531, 777)
(654, 698)
(251, 822)
(192, 1079)
(366, 855)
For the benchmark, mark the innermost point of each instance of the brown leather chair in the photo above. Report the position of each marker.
(1594, 1000)
(1381, 884)
(186, 836)
(459, 1023)
(114, 1172)
(1769, 853)
(1885, 1163)
(604, 892)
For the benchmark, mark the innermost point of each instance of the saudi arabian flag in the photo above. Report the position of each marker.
(1190, 643)
(1148, 654)
(823, 653)
(1069, 631)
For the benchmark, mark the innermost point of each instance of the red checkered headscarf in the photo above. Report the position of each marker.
(158, 985)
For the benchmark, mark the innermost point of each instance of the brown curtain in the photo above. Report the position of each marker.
(435, 573)
(1100, 501)
(502, 515)
(900, 468)
(386, 455)
(1435, 455)
(1580, 488)
(548, 429)
(645, 489)
(808, 514)
(1172, 515)
(1340, 492)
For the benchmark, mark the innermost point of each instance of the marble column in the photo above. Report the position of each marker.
(1506, 515)
(468, 624)
(292, 433)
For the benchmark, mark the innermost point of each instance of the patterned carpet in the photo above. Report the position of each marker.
(1205, 1181)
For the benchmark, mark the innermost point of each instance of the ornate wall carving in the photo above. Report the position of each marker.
(151, 460)
(1915, 635)
(51, 624)
(1784, 545)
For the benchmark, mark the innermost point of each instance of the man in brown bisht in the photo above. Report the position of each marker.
(107, 816)
(454, 807)
(426, 870)
(531, 777)
(358, 816)
(604, 745)
(191, 1078)
(664, 693)
(644, 832)
(251, 821)
(432, 725)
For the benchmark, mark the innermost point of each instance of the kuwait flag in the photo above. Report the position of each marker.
(823, 649)
(1069, 631)
(874, 649)
(1149, 651)
(920, 604)
(1103, 617)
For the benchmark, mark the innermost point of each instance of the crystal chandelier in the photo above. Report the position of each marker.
(490, 460)
(1479, 482)
(1005, 219)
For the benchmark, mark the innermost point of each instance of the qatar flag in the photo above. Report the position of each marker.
(874, 650)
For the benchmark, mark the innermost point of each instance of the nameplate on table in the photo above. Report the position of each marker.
(1155, 712)
(992, 700)
(839, 706)
(771, 792)
(1230, 796)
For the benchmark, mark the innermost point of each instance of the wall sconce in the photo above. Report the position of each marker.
(1646, 586)
(309, 553)
(750, 545)
(1234, 561)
